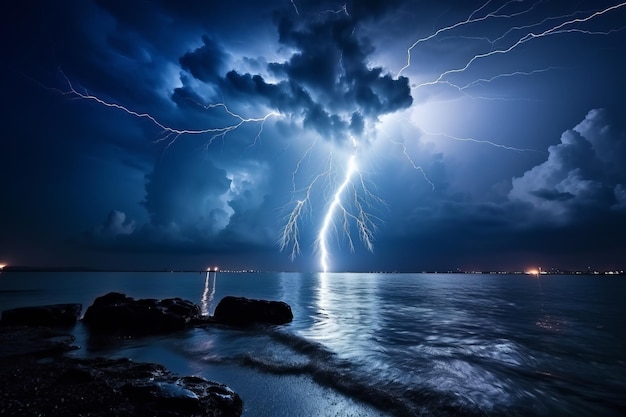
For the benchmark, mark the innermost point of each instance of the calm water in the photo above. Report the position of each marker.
(383, 344)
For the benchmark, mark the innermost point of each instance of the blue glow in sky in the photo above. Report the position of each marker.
(487, 134)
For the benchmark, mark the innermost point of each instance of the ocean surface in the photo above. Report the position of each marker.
(381, 344)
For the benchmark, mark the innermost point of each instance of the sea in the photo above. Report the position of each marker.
(370, 344)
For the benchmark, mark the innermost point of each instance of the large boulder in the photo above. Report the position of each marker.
(241, 311)
(54, 315)
(117, 312)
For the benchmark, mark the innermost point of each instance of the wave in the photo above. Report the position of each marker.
(395, 397)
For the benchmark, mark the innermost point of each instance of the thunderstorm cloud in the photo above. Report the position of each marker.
(326, 81)
(583, 173)
(326, 84)
(477, 169)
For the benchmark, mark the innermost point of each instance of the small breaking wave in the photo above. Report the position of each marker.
(395, 397)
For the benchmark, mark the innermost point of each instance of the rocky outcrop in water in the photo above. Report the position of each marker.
(117, 312)
(241, 311)
(54, 315)
(36, 378)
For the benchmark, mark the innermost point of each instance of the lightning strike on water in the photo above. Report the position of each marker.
(322, 237)
(345, 209)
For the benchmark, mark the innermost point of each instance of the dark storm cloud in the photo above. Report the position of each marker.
(186, 193)
(327, 80)
(70, 166)
(583, 175)
(194, 206)
(564, 211)
(552, 195)
(359, 10)
(205, 62)
(116, 224)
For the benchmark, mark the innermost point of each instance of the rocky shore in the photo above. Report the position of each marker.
(38, 378)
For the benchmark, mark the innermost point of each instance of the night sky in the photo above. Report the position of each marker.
(186, 134)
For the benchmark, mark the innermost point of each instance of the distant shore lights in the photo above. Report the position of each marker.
(535, 271)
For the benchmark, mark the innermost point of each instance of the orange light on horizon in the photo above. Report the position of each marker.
(2, 266)
(533, 272)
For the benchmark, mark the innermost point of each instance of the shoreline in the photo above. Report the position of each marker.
(37, 377)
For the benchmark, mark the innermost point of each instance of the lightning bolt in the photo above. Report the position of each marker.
(334, 205)
(293, 3)
(290, 234)
(346, 207)
(328, 218)
(358, 216)
(471, 19)
(170, 134)
(480, 141)
(505, 75)
(560, 28)
(412, 162)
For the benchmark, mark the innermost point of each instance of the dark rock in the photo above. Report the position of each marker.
(54, 315)
(107, 387)
(241, 311)
(28, 341)
(117, 312)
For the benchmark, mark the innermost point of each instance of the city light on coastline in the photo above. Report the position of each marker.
(2, 266)
(535, 271)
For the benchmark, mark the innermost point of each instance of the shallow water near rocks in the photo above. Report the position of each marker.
(380, 344)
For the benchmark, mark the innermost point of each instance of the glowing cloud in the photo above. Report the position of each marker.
(328, 87)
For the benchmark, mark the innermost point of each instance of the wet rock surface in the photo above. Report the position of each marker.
(32, 342)
(38, 378)
(44, 383)
(54, 315)
(241, 311)
(116, 312)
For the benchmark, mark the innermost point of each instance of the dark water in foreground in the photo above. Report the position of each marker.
(382, 344)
